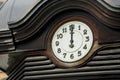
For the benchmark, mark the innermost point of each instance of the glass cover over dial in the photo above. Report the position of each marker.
(72, 41)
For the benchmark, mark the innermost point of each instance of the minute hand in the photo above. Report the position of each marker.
(71, 33)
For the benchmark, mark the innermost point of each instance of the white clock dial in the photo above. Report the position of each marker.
(72, 41)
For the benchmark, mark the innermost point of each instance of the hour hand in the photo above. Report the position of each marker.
(71, 45)
(71, 34)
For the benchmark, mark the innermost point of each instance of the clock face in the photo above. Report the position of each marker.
(72, 41)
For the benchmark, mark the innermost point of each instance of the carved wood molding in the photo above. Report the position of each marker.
(46, 12)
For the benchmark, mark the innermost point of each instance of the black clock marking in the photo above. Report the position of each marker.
(59, 36)
(57, 43)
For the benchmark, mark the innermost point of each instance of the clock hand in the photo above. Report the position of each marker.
(71, 41)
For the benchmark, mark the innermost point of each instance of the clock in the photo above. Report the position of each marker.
(72, 41)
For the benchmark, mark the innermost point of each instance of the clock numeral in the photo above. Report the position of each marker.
(59, 36)
(64, 55)
(85, 47)
(57, 43)
(87, 38)
(79, 53)
(64, 30)
(72, 26)
(71, 56)
(59, 50)
(85, 32)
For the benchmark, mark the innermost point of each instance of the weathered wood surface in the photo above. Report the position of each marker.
(3, 76)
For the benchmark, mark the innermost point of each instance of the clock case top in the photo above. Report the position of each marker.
(35, 28)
